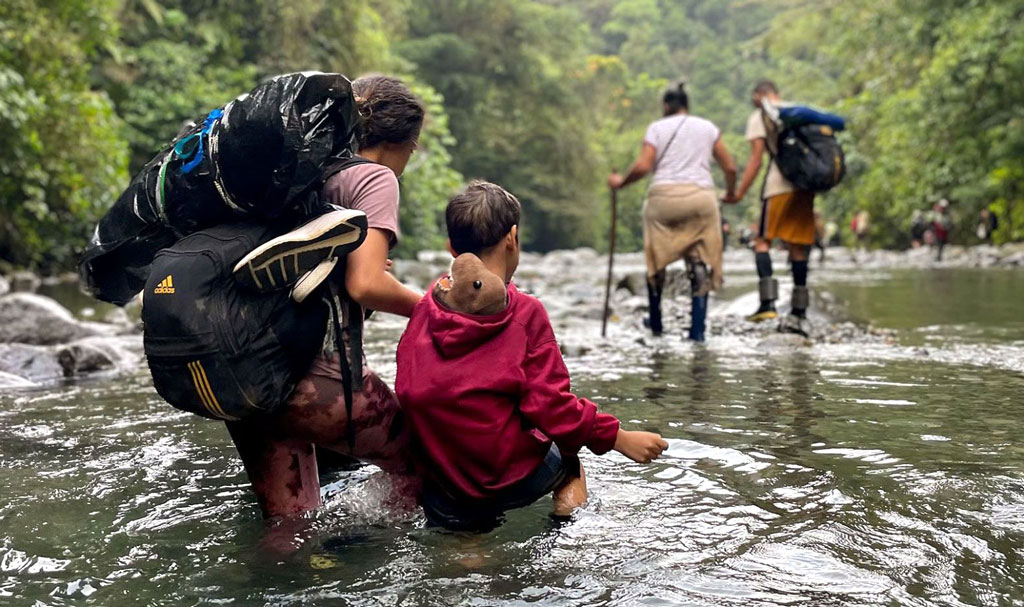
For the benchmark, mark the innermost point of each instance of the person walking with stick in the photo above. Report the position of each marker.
(681, 217)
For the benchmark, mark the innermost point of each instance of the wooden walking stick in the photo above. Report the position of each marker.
(611, 257)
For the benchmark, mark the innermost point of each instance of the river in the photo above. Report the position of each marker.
(882, 463)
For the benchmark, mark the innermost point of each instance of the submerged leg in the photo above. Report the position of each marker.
(571, 495)
(283, 472)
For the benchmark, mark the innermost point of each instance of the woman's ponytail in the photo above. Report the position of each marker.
(388, 111)
(675, 98)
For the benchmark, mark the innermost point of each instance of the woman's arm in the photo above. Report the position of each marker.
(643, 165)
(724, 160)
(368, 281)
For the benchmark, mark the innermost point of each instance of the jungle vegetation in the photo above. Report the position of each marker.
(542, 96)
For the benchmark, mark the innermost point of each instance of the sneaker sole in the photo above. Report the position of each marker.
(278, 263)
(762, 316)
(313, 279)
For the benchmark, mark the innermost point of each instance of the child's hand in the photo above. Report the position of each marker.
(640, 447)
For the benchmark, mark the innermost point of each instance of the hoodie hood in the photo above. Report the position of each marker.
(456, 334)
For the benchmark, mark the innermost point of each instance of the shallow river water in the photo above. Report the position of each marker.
(884, 468)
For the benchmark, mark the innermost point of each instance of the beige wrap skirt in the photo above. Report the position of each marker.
(681, 221)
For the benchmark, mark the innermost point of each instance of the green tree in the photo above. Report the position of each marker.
(61, 157)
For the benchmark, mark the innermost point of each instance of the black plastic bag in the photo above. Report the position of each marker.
(261, 157)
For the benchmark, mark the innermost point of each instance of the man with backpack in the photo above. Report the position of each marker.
(787, 213)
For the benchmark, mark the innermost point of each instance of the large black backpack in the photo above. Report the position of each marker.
(810, 157)
(218, 350)
(260, 156)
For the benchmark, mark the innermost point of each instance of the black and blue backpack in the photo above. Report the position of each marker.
(807, 152)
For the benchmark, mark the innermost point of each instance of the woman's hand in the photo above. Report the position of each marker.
(640, 447)
(615, 181)
(730, 198)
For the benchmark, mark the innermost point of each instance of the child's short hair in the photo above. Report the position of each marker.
(480, 216)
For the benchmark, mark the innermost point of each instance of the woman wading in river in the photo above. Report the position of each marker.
(681, 218)
(279, 449)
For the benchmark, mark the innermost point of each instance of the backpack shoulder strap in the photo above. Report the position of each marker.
(657, 160)
(338, 164)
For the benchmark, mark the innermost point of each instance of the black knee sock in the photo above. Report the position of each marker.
(800, 273)
(800, 280)
(764, 264)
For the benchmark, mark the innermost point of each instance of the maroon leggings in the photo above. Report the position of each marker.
(279, 449)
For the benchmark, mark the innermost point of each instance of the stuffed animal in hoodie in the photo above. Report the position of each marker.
(471, 288)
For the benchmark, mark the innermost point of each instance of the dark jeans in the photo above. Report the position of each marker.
(443, 509)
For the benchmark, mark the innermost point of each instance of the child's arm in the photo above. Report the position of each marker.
(549, 404)
(574, 422)
(640, 446)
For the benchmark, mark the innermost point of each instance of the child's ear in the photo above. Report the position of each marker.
(448, 245)
(513, 237)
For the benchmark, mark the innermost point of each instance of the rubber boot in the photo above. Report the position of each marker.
(698, 317)
(654, 303)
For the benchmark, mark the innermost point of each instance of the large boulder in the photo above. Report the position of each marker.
(9, 380)
(32, 363)
(25, 281)
(34, 319)
(94, 354)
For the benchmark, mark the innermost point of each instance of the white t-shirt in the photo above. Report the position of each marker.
(775, 183)
(687, 158)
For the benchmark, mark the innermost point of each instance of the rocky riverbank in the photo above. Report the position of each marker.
(41, 341)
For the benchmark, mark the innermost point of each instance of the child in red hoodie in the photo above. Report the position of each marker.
(488, 397)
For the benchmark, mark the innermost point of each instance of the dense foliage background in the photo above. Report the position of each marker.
(541, 96)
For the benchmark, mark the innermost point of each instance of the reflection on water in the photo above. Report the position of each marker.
(829, 475)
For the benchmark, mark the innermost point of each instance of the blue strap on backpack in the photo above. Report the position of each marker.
(798, 115)
(195, 154)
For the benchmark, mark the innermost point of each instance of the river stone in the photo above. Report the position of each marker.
(9, 380)
(25, 282)
(5, 286)
(34, 363)
(416, 273)
(35, 319)
(783, 341)
(81, 358)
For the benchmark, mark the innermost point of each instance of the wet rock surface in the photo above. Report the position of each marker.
(34, 319)
(29, 362)
(42, 342)
(25, 282)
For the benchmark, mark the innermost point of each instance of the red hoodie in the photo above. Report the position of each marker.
(486, 395)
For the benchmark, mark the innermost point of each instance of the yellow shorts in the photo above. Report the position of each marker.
(788, 217)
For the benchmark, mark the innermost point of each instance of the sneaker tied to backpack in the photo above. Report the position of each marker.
(280, 262)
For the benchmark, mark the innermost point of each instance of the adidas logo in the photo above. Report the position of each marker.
(165, 287)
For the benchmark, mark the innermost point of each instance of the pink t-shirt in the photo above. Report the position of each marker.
(371, 188)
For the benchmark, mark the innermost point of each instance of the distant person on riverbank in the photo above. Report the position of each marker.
(987, 224)
(681, 216)
(786, 214)
(860, 226)
(487, 396)
(918, 229)
(942, 225)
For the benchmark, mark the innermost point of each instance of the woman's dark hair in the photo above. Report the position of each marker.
(675, 98)
(389, 111)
